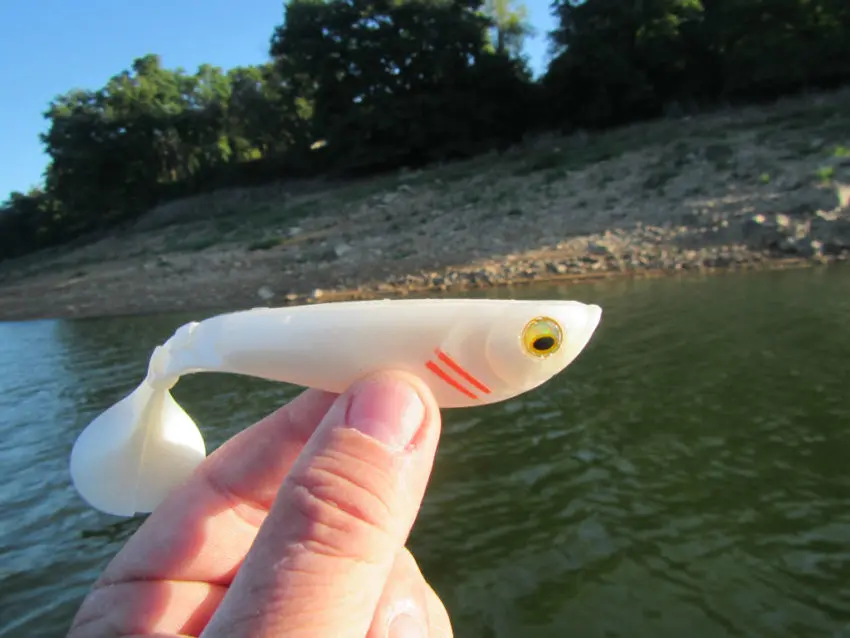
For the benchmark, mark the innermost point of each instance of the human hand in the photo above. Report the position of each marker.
(294, 527)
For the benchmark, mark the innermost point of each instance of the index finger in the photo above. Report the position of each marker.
(203, 530)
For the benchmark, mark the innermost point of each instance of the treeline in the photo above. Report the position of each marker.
(356, 87)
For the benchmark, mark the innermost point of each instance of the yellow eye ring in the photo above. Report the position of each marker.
(542, 337)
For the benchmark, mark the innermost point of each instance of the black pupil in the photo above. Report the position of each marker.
(543, 343)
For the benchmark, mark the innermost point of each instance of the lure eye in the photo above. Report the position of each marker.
(542, 337)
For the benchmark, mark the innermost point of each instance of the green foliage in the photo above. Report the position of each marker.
(356, 87)
(509, 26)
(399, 83)
(622, 60)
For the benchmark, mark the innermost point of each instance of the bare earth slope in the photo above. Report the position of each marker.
(754, 187)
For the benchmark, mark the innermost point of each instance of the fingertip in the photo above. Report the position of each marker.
(398, 397)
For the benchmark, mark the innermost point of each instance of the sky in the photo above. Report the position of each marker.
(49, 47)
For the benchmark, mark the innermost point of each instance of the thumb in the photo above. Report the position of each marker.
(322, 556)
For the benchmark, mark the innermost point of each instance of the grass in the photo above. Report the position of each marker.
(825, 173)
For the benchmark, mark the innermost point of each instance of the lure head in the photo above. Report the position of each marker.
(534, 341)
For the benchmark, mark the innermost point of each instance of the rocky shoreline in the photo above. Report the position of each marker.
(749, 189)
(773, 242)
(765, 242)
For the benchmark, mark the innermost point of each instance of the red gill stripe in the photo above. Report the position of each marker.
(433, 367)
(463, 373)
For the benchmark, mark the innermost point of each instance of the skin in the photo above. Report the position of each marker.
(295, 527)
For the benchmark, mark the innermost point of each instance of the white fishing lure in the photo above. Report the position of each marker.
(468, 351)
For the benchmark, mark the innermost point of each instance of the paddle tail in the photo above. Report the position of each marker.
(131, 456)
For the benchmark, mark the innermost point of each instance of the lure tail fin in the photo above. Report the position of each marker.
(129, 458)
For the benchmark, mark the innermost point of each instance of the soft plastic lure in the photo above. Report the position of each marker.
(468, 351)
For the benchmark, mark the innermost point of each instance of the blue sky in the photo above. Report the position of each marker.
(51, 46)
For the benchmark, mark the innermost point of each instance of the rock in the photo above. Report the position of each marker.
(596, 248)
(721, 261)
(265, 293)
(782, 221)
(691, 219)
(807, 202)
(760, 233)
(557, 268)
(341, 249)
(808, 248)
(318, 293)
(292, 297)
(832, 231)
(842, 191)
(295, 230)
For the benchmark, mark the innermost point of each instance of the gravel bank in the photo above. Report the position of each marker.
(753, 188)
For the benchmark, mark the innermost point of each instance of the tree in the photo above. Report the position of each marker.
(510, 26)
(360, 86)
(395, 83)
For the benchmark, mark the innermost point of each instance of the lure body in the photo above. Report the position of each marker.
(468, 351)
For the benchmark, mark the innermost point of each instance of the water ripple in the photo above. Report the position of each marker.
(686, 476)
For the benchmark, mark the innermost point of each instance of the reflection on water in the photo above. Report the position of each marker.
(686, 476)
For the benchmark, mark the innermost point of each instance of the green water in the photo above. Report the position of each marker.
(687, 476)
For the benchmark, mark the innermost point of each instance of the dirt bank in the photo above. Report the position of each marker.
(747, 188)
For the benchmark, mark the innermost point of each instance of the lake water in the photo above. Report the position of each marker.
(688, 475)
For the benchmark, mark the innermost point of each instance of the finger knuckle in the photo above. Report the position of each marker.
(345, 507)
